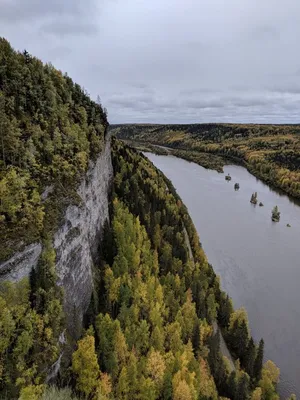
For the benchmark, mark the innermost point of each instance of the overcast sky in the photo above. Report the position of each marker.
(174, 61)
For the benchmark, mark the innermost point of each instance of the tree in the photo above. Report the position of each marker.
(254, 198)
(156, 367)
(239, 332)
(257, 394)
(232, 385)
(122, 388)
(212, 307)
(85, 366)
(132, 369)
(32, 392)
(259, 361)
(272, 371)
(157, 339)
(275, 214)
(242, 392)
(225, 310)
(249, 358)
(182, 391)
(104, 389)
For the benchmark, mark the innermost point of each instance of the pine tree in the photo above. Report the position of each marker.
(122, 388)
(249, 358)
(214, 352)
(240, 338)
(259, 361)
(225, 310)
(242, 392)
(232, 385)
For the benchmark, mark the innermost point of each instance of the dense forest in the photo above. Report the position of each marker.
(49, 128)
(149, 329)
(157, 313)
(270, 152)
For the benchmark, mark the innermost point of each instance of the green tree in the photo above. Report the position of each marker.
(85, 366)
(225, 310)
(122, 388)
(243, 387)
(259, 360)
(249, 358)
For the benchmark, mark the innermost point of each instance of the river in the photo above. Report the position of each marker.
(258, 260)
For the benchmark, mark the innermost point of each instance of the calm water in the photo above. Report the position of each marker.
(258, 260)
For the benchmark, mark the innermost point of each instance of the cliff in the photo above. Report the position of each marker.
(76, 242)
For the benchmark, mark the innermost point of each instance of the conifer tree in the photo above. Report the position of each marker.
(259, 361)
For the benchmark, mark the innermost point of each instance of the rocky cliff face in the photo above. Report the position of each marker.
(76, 242)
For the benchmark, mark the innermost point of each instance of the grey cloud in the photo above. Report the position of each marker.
(292, 88)
(172, 60)
(55, 17)
(69, 27)
(266, 31)
(19, 10)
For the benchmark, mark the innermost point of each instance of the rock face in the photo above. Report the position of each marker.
(76, 242)
(20, 264)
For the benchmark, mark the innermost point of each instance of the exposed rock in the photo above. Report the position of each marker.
(76, 242)
(48, 190)
(21, 263)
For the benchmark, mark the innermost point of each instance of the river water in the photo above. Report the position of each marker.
(258, 260)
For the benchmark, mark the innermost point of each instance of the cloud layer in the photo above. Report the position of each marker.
(172, 60)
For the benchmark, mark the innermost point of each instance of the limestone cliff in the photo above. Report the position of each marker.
(76, 242)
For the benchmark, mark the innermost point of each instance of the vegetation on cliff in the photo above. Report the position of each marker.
(271, 152)
(49, 129)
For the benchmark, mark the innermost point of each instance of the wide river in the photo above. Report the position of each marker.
(258, 260)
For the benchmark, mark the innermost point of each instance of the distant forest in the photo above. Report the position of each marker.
(270, 152)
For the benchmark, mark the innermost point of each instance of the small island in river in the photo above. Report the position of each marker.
(275, 214)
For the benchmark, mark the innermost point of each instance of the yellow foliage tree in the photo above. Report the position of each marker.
(105, 388)
(181, 391)
(156, 367)
(257, 394)
(32, 392)
(271, 371)
(85, 366)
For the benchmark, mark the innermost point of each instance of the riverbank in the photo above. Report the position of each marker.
(216, 329)
(209, 161)
(270, 152)
(206, 160)
(256, 259)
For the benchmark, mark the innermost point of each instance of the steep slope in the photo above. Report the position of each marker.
(55, 180)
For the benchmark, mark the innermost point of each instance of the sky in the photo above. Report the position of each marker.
(170, 61)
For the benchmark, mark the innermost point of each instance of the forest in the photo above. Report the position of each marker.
(270, 152)
(149, 332)
(49, 129)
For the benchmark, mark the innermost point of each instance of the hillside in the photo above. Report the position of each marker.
(105, 290)
(49, 130)
(270, 152)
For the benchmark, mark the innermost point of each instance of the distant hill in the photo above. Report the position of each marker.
(271, 152)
